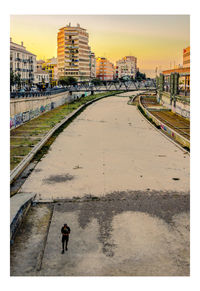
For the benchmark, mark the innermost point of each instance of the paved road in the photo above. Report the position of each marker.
(127, 191)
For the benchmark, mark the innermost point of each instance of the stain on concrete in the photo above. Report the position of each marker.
(58, 179)
(163, 205)
(161, 218)
(38, 170)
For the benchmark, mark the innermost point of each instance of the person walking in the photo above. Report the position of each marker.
(65, 230)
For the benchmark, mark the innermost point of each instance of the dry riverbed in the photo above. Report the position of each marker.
(122, 187)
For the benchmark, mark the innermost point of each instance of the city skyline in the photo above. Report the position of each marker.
(156, 40)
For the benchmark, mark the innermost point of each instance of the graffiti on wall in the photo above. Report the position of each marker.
(177, 107)
(25, 116)
(28, 115)
(183, 112)
(18, 119)
(52, 105)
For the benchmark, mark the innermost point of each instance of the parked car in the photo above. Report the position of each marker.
(48, 90)
(34, 89)
(21, 91)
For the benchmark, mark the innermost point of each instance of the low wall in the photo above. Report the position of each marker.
(176, 136)
(180, 107)
(25, 109)
(19, 206)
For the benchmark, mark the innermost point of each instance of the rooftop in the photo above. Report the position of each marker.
(41, 72)
(19, 48)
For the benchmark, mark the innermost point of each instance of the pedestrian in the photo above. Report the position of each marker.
(65, 230)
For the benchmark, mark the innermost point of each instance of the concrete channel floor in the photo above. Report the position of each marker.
(129, 191)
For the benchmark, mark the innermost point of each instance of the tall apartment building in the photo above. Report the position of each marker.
(127, 66)
(22, 62)
(104, 69)
(73, 52)
(92, 65)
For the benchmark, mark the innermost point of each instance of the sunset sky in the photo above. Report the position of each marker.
(156, 40)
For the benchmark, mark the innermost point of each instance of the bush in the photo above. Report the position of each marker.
(65, 81)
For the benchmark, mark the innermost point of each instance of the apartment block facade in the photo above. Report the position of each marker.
(73, 52)
(41, 78)
(126, 67)
(22, 62)
(51, 67)
(92, 65)
(104, 69)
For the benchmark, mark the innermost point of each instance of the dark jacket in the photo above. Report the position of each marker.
(65, 231)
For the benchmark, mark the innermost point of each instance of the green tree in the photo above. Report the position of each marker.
(12, 79)
(96, 81)
(65, 81)
(62, 81)
(140, 76)
(18, 80)
(71, 80)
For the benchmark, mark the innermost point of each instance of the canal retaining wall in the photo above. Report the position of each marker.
(25, 109)
(180, 106)
(175, 135)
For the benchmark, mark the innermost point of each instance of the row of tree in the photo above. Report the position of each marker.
(15, 79)
(65, 81)
(140, 76)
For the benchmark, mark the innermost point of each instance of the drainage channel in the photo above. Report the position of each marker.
(27, 165)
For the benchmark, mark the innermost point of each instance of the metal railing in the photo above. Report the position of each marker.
(29, 94)
(85, 86)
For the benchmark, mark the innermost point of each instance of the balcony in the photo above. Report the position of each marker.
(71, 33)
(71, 53)
(73, 59)
(71, 42)
(70, 46)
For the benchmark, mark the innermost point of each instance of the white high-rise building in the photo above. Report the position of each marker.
(127, 66)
